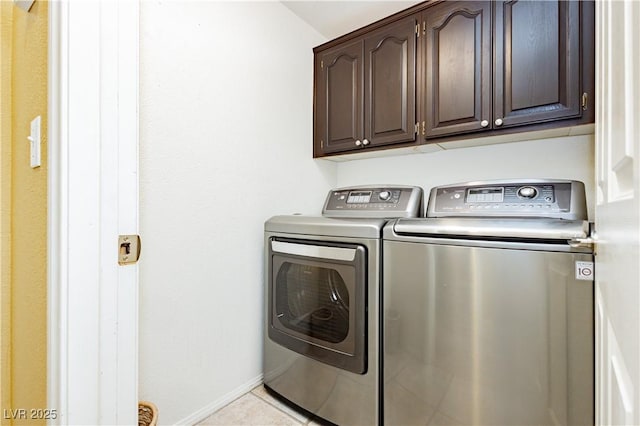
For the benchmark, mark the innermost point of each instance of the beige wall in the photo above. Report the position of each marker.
(23, 193)
(6, 32)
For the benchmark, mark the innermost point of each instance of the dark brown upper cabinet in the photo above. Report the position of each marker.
(339, 98)
(458, 67)
(535, 50)
(365, 91)
(537, 57)
(390, 90)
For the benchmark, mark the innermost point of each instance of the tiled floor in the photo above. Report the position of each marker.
(258, 408)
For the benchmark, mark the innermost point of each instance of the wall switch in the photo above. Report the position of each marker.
(34, 139)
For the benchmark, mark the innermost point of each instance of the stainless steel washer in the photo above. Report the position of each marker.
(322, 276)
(488, 308)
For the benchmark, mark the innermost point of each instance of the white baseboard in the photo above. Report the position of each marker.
(209, 409)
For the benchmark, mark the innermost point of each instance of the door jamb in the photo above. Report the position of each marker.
(92, 352)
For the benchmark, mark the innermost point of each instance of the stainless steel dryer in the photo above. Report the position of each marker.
(322, 292)
(488, 308)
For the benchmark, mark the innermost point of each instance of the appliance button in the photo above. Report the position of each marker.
(384, 195)
(547, 199)
(527, 192)
(456, 195)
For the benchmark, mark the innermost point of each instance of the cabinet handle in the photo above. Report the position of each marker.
(358, 143)
(484, 123)
(365, 142)
(498, 122)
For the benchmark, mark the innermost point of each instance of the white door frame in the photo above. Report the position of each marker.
(92, 355)
(617, 276)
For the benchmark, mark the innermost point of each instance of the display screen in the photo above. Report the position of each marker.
(485, 195)
(359, 197)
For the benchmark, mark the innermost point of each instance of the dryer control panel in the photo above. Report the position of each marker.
(374, 202)
(562, 199)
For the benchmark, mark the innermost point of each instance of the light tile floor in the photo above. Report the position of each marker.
(259, 408)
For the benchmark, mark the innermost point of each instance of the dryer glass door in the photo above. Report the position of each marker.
(317, 300)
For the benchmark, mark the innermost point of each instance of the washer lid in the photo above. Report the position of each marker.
(324, 226)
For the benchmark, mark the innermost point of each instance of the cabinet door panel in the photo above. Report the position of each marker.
(390, 71)
(537, 61)
(458, 67)
(340, 98)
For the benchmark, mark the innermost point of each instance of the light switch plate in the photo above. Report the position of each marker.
(34, 138)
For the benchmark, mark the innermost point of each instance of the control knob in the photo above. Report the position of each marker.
(384, 195)
(527, 192)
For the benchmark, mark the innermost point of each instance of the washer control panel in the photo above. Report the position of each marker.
(374, 202)
(562, 199)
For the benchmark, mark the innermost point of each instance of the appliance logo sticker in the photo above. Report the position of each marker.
(584, 271)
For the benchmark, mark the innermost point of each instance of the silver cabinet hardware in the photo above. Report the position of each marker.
(365, 142)
(358, 143)
(484, 123)
(498, 122)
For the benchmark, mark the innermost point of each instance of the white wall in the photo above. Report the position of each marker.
(225, 143)
(569, 157)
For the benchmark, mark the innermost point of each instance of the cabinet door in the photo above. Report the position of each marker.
(390, 91)
(458, 67)
(537, 68)
(339, 98)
